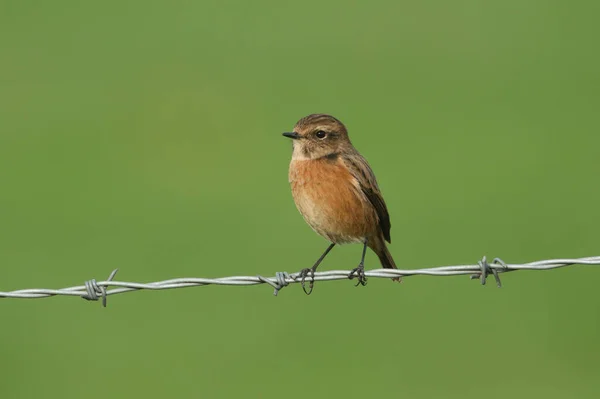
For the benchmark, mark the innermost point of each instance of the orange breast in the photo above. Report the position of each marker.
(330, 200)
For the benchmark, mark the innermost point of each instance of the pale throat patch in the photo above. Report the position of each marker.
(298, 154)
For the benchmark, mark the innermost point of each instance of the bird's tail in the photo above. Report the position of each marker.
(385, 257)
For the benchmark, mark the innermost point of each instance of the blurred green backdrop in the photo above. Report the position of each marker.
(145, 135)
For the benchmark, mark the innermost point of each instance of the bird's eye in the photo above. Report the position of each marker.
(321, 134)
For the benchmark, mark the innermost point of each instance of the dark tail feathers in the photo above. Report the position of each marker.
(385, 257)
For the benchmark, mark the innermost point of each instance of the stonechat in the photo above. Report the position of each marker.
(336, 192)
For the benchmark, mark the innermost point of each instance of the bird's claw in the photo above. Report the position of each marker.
(359, 272)
(302, 275)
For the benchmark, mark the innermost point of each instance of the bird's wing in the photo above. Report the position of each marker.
(362, 172)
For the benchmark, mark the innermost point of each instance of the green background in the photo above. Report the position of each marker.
(145, 135)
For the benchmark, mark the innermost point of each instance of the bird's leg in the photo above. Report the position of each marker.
(360, 269)
(304, 272)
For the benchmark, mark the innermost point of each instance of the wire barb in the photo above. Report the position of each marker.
(486, 269)
(93, 290)
(279, 283)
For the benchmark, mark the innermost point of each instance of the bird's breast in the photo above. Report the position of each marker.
(330, 200)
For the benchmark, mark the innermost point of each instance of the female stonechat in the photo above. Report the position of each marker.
(336, 192)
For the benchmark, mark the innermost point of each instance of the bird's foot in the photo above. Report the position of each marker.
(302, 275)
(359, 272)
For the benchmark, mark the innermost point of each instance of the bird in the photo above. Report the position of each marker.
(336, 192)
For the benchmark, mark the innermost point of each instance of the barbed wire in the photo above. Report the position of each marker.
(93, 290)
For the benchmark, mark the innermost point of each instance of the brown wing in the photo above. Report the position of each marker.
(361, 170)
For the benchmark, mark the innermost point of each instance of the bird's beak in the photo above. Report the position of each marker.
(292, 135)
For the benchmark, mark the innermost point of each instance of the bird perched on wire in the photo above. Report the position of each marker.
(336, 192)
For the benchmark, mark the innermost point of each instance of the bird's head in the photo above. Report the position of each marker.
(318, 135)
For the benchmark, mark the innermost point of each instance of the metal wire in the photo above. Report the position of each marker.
(93, 290)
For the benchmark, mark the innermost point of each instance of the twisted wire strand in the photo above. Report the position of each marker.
(93, 290)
